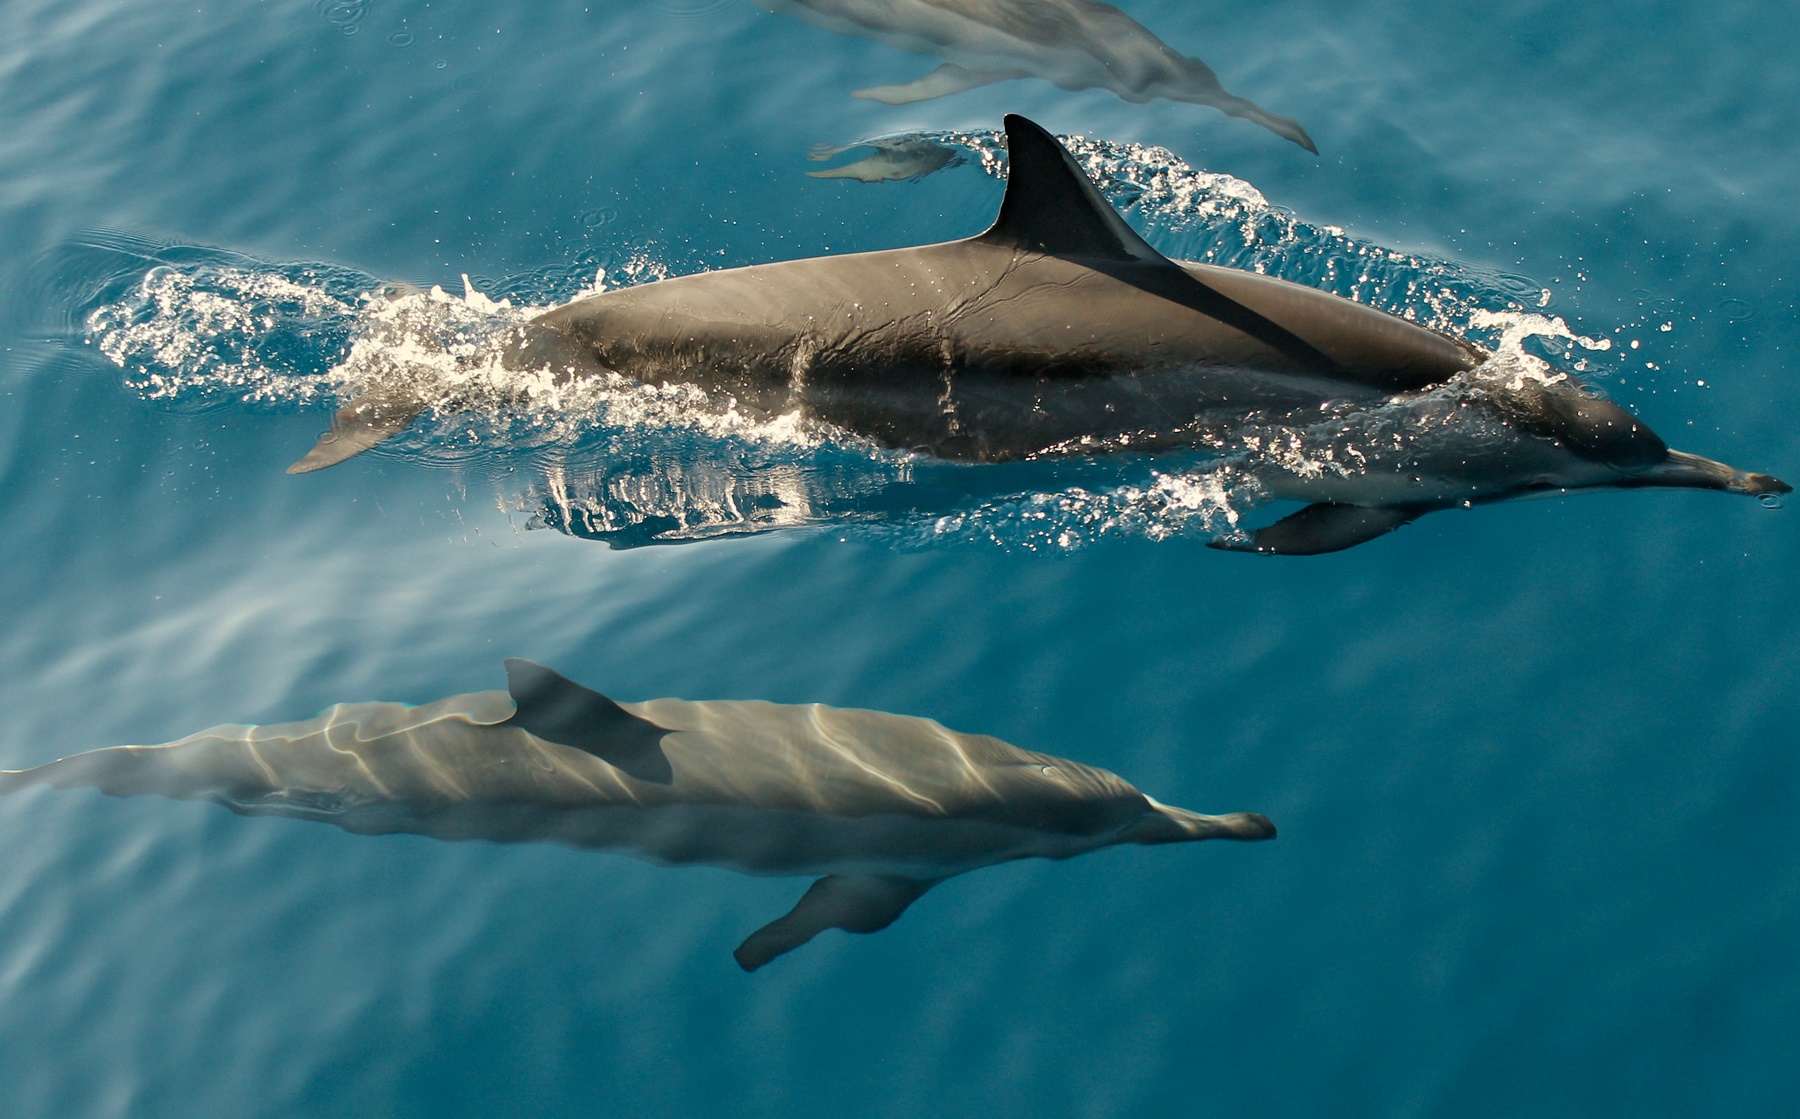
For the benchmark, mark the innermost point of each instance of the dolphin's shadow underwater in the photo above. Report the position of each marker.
(1061, 333)
(1076, 44)
(882, 807)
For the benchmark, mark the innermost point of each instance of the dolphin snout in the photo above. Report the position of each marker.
(1763, 485)
(1244, 825)
(1167, 824)
(1680, 470)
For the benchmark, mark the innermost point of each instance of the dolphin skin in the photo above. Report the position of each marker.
(1060, 331)
(1077, 44)
(882, 807)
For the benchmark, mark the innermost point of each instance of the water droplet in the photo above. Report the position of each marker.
(440, 64)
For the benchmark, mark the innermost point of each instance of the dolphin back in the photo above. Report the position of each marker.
(352, 755)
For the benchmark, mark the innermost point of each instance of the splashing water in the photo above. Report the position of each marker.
(614, 460)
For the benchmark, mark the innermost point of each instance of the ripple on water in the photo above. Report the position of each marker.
(345, 15)
(472, 81)
(1736, 310)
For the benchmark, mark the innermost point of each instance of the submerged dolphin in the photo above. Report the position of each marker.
(1060, 331)
(893, 158)
(1077, 44)
(882, 806)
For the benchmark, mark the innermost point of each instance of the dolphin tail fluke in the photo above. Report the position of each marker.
(12, 780)
(119, 771)
(858, 903)
(1325, 527)
(1681, 470)
(942, 82)
(359, 425)
(64, 773)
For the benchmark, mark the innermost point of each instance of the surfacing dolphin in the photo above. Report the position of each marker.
(1077, 44)
(882, 806)
(1060, 331)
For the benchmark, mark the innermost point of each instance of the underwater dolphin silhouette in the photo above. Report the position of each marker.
(1077, 44)
(882, 806)
(1060, 331)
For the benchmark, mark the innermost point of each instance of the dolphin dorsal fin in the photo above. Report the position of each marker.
(556, 709)
(1052, 207)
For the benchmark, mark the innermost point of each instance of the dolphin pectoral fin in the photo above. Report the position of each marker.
(1326, 527)
(942, 82)
(859, 903)
(358, 426)
(556, 709)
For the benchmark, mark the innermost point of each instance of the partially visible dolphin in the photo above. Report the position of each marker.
(1077, 44)
(882, 806)
(893, 158)
(1060, 331)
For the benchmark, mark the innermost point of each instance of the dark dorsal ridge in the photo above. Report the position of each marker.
(1052, 207)
(559, 710)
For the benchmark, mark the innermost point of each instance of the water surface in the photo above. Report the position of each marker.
(1532, 764)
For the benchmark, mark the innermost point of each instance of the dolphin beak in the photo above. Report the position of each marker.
(1165, 823)
(1681, 470)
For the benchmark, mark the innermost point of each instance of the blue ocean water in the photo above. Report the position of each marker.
(1527, 761)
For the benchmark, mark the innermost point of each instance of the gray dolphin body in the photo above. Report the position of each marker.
(1060, 331)
(882, 806)
(1077, 44)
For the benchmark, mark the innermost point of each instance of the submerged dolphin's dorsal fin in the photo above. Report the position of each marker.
(558, 710)
(1052, 207)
